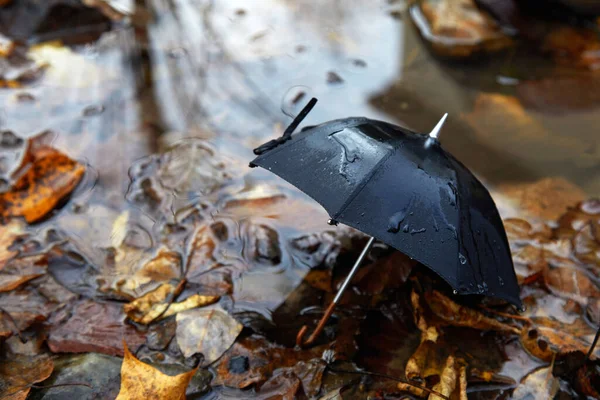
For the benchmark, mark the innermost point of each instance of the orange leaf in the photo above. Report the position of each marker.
(140, 381)
(18, 374)
(50, 178)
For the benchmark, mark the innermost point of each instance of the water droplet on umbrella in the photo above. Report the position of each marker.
(480, 289)
(414, 231)
(405, 228)
(501, 281)
(462, 259)
(395, 221)
(455, 291)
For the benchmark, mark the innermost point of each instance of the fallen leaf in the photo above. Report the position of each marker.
(8, 233)
(570, 283)
(207, 331)
(18, 373)
(544, 342)
(281, 386)
(18, 271)
(93, 327)
(538, 385)
(334, 395)
(448, 380)
(155, 304)
(51, 177)
(21, 308)
(140, 381)
(546, 199)
(458, 28)
(454, 314)
(252, 360)
(574, 46)
(560, 95)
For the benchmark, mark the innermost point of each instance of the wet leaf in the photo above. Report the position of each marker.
(19, 271)
(281, 386)
(207, 331)
(544, 342)
(571, 283)
(18, 373)
(21, 308)
(454, 314)
(458, 28)
(574, 46)
(155, 304)
(452, 380)
(538, 385)
(93, 327)
(140, 381)
(8, 233)
(51, 177)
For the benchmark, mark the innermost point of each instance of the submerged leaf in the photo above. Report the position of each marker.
(155, 304)
(140, 381)
(51, 177)
(18, 373)
(207, 331)
(538, 385)
(21, 270)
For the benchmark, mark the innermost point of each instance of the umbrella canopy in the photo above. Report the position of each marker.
(405, 190)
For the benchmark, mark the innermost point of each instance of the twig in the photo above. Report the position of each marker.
(430, 391)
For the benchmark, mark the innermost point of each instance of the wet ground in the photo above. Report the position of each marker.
(158, 107)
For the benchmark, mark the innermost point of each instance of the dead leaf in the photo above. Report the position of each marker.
(538, 385)
(93, 327)
(155, 304)
(448, 380)
(573, 46)
(21, 270)
(454, 314)
(570, 283)
(18, 373)
(51, 177)
(545, 342)
(140, 381)
(8, 233)
(546, 199)
(319, 279)
(281, 386)
(458, 28)
(207, 331)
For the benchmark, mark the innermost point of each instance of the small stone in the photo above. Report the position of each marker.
(334, 79)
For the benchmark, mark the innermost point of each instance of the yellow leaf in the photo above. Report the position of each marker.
(152, 305)
(140, 381)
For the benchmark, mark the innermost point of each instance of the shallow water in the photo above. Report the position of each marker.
(215, 79)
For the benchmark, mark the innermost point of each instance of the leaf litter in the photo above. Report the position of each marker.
(178, 266)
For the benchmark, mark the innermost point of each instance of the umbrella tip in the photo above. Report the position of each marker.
(436, 130)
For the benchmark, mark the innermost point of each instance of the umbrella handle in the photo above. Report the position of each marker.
(321, 325)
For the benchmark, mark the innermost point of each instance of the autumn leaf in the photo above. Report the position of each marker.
(50, 178)
(545, 342)
(454, 314)
(452, 379)
(18, 373)
(155, 304)
(21, 270)
(537, 385)
(140, 381)
(207, 331)
(8, 233)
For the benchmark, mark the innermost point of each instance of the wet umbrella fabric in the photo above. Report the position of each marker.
(405, 190)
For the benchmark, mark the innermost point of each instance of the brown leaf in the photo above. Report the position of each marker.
(448, 380)
(93, 327)
(22, 308)
(8, 233)
(387, 273)
(571, 283)
(21, 270)
(538, 385)
(458, 28)
(281, 386)
(155, 304)
(51, 177)
(454, 314)
(547, 199)
(320, 279)
(18, 373)
(140, 381)
(252, 360)
(207, 331)
(544, 342)
(574, 46)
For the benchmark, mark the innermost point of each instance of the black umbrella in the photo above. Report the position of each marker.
(402, 188)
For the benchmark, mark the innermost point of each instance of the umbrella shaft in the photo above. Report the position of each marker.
(339, 294)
